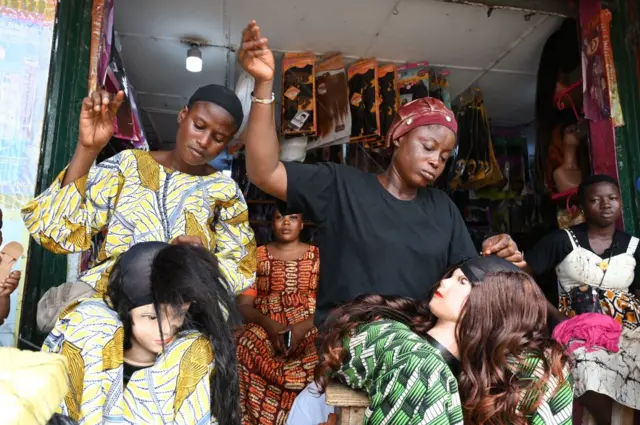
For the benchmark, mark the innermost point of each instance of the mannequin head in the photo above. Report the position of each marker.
(450, 296)
(570, 137)
(569, 130)
(500, 314)
(148, 338)
(159, 290)
(560, 57)
(458, 289)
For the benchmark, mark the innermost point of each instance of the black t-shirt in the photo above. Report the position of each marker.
(371, 242)
(555, 247)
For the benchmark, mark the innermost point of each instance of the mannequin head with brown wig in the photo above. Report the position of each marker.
(488, 314)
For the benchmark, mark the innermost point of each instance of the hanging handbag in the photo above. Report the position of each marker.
(585, 299)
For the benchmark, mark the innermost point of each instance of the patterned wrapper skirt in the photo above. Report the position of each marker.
(616, 375)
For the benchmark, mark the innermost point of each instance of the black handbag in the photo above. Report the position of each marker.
(585, 299)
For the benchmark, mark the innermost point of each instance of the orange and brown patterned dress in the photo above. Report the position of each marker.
(285, 291)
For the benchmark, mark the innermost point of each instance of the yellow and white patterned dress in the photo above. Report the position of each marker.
(139, 200)
(176, 390)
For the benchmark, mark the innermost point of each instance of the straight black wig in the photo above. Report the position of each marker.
(186, 274)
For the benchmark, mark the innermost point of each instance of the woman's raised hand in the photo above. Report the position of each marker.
(96, 119)
(255, 56)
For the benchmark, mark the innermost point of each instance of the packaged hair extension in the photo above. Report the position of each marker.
(439, 86)
(388, 104)
(298, 94)
(475, 165)
(293, 149)
(443, 78)
(363, 99)
(372, 142)
(435, 89)
(413, 82)
(388, 96)
(333, 115)
(468, 120)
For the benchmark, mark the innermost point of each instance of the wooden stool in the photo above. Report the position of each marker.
(620, 415)
(349, 404)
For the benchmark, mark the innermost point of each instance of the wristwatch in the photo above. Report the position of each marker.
(263, 101)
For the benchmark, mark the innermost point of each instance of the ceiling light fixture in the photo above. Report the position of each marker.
(194, 59)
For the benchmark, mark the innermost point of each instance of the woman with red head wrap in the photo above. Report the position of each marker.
(387, 234)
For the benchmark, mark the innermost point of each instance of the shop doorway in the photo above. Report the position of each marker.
(478, 52)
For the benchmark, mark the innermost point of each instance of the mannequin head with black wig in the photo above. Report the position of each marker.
(159, 290)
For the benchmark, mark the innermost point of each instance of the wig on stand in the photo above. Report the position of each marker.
(502, 326)
(183, 274)
(559, 61)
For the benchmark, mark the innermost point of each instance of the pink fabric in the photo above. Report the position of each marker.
(589, 330)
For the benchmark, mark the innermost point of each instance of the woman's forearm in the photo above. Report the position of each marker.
(251, 315)
(262, 149)
(554, 316)
(80, 164)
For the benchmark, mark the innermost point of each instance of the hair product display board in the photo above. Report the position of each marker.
(298, 94)
(363, 99)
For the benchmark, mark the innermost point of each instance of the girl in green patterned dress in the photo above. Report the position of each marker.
(488, 315)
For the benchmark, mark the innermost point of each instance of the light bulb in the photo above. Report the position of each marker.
(194, 60)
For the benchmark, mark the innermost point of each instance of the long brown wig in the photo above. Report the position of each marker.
(502, 323)
(365, 309)
(332, 102)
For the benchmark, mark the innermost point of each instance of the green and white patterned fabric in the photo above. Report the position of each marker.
(406, 378)
(557, 407)
(409, 383)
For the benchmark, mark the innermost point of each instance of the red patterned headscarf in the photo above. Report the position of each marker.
(418, 113)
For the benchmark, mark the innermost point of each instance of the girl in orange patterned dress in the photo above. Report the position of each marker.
(276, 351)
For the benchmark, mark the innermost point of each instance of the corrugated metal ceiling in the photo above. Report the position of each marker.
(499, 52)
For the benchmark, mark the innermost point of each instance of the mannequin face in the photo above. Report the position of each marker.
(146, 340)
(450, 297)
(570, 138)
